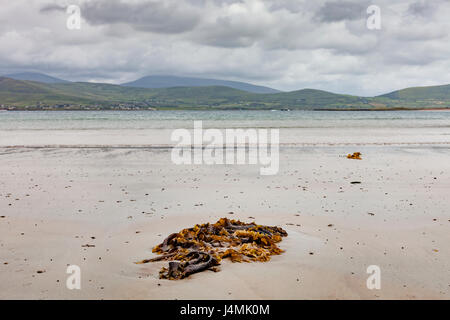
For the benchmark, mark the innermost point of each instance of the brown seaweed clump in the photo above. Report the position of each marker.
(204, 246)
(355, 155)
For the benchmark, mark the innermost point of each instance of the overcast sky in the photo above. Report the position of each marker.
(285, 44)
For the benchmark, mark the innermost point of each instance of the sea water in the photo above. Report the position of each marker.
(154, 127)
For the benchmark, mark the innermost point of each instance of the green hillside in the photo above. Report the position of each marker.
(421, 97)
(21, 94)
(314, 99)
(421, 93)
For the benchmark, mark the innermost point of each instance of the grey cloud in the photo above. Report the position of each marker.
(422, 8)
(52, 7)
(291, 6)
(340, 11)
(229, 34)
(161, 17)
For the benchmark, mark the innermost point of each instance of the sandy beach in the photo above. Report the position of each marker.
(122, 201)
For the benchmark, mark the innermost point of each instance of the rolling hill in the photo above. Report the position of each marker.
(33, 95)
(419, 97)
(33, 76)
(162, 81)
(420, 93)
(19, 93)
(23, 93)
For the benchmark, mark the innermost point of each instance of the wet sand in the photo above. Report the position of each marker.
(123, 201)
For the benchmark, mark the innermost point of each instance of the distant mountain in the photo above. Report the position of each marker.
(418, 97)
(316, 99)
(420, 93)
(33, 76)
(35, 95)
(20, 93)
(173, 81)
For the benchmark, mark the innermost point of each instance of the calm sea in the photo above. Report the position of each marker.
(98, 120)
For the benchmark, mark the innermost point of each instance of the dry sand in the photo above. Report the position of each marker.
(126, 200)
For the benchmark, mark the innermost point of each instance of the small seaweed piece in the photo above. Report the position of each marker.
(355, 155)
(202, 247)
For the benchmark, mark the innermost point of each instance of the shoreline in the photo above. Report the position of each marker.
(231, 109)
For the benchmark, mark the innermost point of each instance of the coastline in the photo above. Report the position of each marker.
(226, 109)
